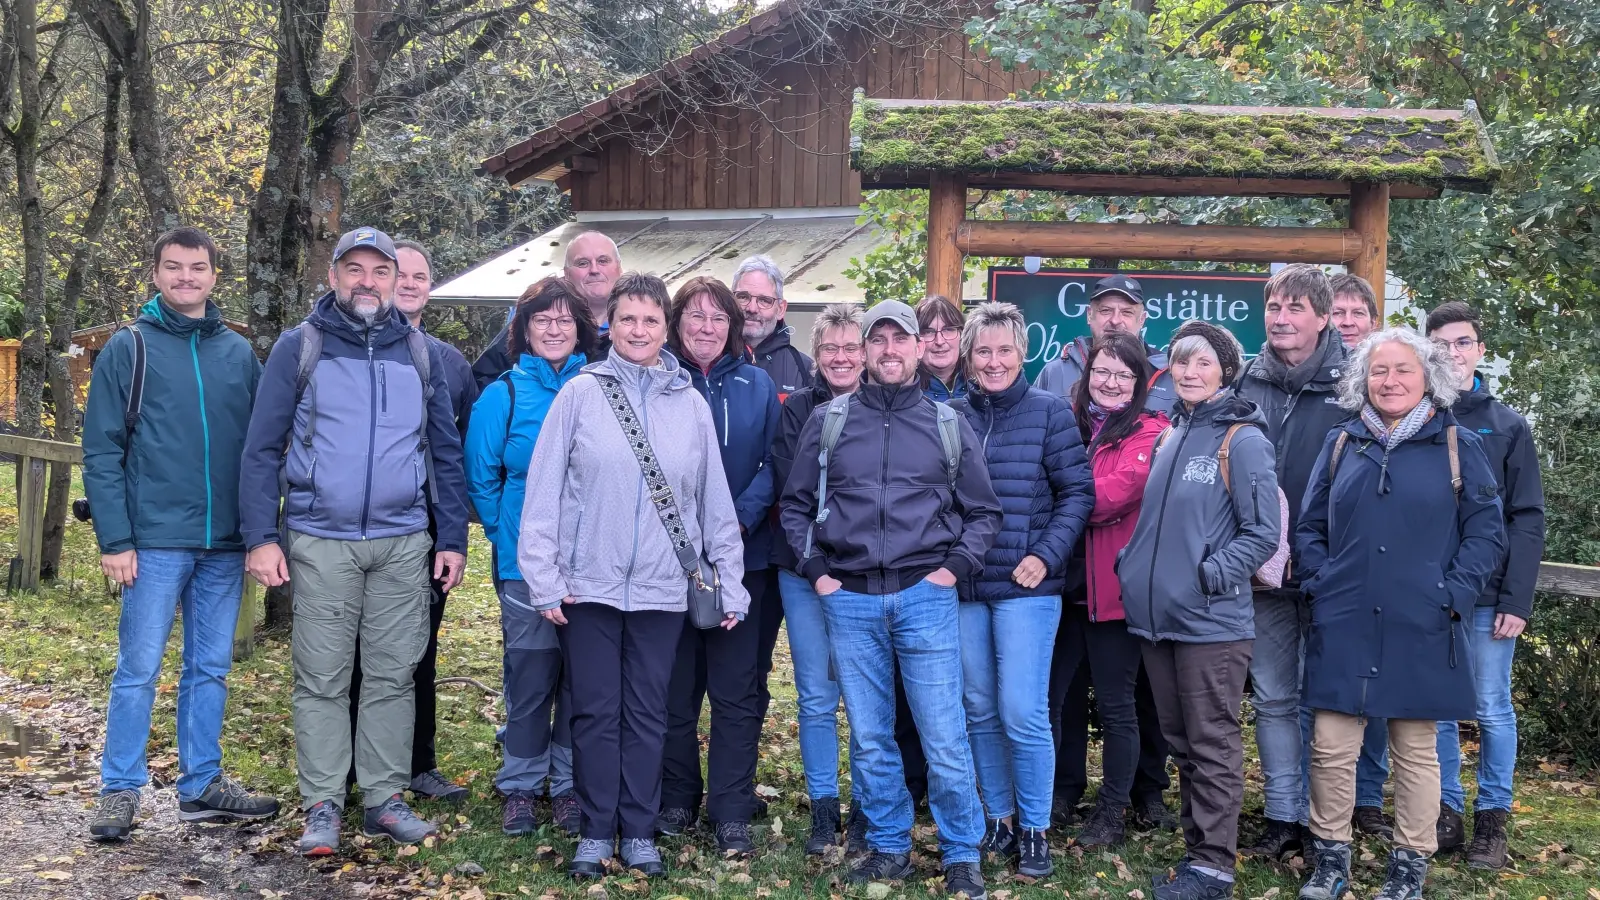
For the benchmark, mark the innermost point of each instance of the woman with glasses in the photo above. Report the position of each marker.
(940, 322)
(836, 345)
(705, 328)
(550, 337)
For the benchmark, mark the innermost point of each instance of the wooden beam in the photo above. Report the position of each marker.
(1255, 112)
(30, 519)
(584, 164)
(1146, 186)
(38, 448)
(1369, 215)
(1561, 578)
(947, 207)
(244, 630)
(1217, 243)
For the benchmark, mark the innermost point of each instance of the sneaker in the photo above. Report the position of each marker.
(1188, 883)
(641, 854)
(432, 785)
(321, 837)
(1490, 843)
(825, 826)
(674, 820)
(1450, 830)
(1279, 841)
(1330, 877)
(1371, 820)
(113, 815)
(589, 860)
(393, 820)
(999, 839)
(966, 879)
(734, 837)
(855, 832)
(1408, 869)
(226, 800)
(1104, 828)
(1152, 814)
(1064, 812)
(566, 813)
(518, 818)
(1035, 854)
(881, 866)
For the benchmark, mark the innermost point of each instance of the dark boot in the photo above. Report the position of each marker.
(999, 839)
(855, 831)
(1490, 843)
(824, 826)
(1105, 828)
(1408, 869)
(1279, 841)
(1370, 820)
(1450, 830)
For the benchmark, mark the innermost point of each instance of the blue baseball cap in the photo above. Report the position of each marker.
(371, 238)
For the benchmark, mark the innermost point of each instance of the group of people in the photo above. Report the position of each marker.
(1349, 522)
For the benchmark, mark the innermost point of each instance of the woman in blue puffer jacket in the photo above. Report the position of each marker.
(550, 336)
(1037, 464)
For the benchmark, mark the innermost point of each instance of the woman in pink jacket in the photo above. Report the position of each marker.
(1120, 435)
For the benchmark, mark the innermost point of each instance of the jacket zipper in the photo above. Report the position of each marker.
(724, 420)
(383, 389)
(372, 435)
(883, 493)
(1155, 546)
(205, 426)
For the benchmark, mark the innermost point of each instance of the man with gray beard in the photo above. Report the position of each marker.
(353, 430)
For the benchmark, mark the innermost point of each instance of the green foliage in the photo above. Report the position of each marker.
(10, 304)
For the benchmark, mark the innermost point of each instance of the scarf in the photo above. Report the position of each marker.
(1099, 414)
(1403, 430)
(1290, 379)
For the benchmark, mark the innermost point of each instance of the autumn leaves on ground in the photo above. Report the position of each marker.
(56, 659)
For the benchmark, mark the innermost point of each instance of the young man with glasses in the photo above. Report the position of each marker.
(758, 288)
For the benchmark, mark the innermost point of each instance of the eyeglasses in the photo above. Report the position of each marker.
(949, 333)
(699, 320)
(1464, 344)
(1100, 374)
(760, 300)
(546, 323)
(839, 350)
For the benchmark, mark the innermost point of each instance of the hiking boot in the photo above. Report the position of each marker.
(226, 800)
(825, 826)
(760, 809)
(113, 815)
(1034, 850)
(1187, 883)
(1279, 841)
(432, 785)
(321, 836)
(1408, 869)
(966, 879)
(1064, 812)
(1370, 820)
(999, 839)
(1330, 877)
(1450, 830)
(518, 818)
(1104, 828)
(641, 854)
(674, 820)
(566, 813)
(589, 860)
(855, 831)
(393, 820)
(881, 867)
(1490, 843)
(734, 837)
(1152, 814)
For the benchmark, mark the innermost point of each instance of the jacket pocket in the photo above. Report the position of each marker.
(311, 485)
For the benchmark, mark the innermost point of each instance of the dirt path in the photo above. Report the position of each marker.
(49, 775)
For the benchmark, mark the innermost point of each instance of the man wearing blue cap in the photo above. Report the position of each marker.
(353, 431)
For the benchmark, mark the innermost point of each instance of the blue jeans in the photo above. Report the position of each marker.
(1497, 730)
(1006, 648)
(1282, 619)
(816, 687)
(207, 583)
(919, 628)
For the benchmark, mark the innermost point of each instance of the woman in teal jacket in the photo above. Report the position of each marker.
(551, 335)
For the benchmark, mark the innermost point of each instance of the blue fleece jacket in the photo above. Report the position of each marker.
(744, 407)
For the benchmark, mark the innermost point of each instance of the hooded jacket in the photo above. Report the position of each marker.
(1186, 572)
(797, 410)
(1394, 564)
(1120, 473)
(173, 483)
(788, 367)
(1037, 467)
(1059, 376)
(495, 360)
(941, 392)
(589, 529)
(362, 473)
(497, 458)
(893, 515)
(744, 411)
(1508, 443)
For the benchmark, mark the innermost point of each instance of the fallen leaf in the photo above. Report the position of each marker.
(877, 891)
(54, 875)
(407, 850)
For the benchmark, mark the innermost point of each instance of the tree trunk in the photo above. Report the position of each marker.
(24, 140)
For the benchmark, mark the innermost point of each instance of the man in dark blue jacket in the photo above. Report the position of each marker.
(372, 452)
(168, 406)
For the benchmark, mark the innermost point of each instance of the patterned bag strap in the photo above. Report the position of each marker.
(660, 491)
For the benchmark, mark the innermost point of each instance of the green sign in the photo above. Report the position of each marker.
(1054, 302)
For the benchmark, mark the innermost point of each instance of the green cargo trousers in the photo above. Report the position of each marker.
(375, 592)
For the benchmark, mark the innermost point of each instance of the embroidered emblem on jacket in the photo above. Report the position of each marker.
(1201, 469)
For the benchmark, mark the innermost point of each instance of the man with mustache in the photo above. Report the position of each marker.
(361, 401)
(1295, 381)
(593, 264)
(884, 529)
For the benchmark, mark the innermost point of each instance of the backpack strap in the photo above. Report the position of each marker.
(1451, 442)
(832, 427)
(305, 367)
(1151, 385)
(1162, 438)
(1338, 451)
(1222, 455)
(417, 343)
(949, 440)
(130, 414)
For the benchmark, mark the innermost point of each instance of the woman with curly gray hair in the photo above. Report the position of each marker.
(1400, 530)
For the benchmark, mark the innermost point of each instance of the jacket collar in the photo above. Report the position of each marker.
(667, 375)
(1431, 430)
(548, 376)
(388, 328)
(1321, 371)
(156, 312)
(890, 397)
(772, 343)
(1001, 401)
(1226, 407)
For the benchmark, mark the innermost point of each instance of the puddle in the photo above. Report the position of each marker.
(29, 751)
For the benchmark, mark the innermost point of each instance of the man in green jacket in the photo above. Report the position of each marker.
(163, 432)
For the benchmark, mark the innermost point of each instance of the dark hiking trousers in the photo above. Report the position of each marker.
(1198, 689)
(1070, 715)
(1112, 656)
(768, 614)
(423, 751)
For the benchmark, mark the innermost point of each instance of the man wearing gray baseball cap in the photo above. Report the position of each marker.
(888, 507)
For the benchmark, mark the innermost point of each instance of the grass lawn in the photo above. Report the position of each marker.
(66, 636)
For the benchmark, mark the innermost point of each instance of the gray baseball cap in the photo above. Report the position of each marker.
(371, 238)
(890, 311)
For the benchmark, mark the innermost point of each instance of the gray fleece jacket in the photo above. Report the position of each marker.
(589, 530)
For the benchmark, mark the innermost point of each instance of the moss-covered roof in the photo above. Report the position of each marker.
(1436, 148)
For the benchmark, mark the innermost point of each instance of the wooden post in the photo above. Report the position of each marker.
(947, 207)
(30, 518)
(1369, 215)
(244, 633)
